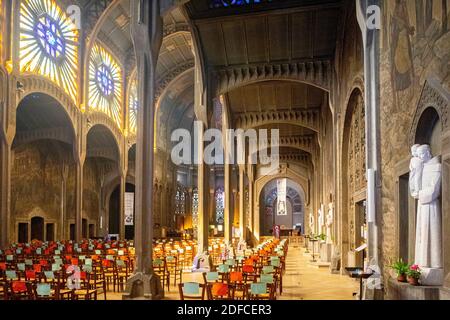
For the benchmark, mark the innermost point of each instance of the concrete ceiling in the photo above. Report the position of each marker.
(274, 96)
(40, 111)
(307, 31)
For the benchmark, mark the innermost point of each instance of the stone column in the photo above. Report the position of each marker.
(242, 221)
(146, 31)
(122, 205)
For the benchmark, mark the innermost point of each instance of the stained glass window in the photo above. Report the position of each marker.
(195, 210)
(234, 3)
(180, 201)
(220, 205)
(49, 44)
(105, 84)
(133, 108)
(247, 206)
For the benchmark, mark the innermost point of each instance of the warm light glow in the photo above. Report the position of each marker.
(9, 66)
(105, 84)
(133, 105)
(49, 44)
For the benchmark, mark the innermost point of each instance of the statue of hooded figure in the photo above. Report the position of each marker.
(428, 249)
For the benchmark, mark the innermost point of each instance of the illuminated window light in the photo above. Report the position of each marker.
(105, 85)
(49, 44)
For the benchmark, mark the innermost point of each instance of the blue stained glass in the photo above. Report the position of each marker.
(233, 3)
(50, 37)
(105, 80)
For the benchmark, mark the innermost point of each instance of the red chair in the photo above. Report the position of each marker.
(20, 290)
(30, 275)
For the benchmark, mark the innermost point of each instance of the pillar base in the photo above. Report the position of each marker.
(143, 287)
(432, 276)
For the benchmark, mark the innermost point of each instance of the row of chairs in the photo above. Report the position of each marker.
(225, 291)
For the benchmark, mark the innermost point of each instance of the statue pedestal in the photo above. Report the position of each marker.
(432, 276)
(325, 252)
(143, 287)
(404, 291)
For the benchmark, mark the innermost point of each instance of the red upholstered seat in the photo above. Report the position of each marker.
(248, 269)
(19, 286)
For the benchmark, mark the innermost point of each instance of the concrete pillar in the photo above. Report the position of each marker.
(203, 192)
(242, 218)
(146, 31)
(371, 39)
(79, 199)
(5, 193)
(123, 183)
(251, 184)
(228, 213)
(64, 177)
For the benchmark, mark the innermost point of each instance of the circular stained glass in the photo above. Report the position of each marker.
(105, 81)
(50, 37)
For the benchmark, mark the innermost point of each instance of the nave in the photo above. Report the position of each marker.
(190, 122)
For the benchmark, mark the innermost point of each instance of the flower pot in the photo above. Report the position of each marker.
(401, 278)
(413, 281)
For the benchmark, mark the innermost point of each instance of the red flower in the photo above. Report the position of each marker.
(415, 267)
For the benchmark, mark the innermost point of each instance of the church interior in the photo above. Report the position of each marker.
(95, 96)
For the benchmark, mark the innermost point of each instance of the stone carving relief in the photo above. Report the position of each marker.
(433, 95)
(317, 73)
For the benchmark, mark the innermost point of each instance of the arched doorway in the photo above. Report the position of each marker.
(293, 213)
(114, 212)
(429, 131)
(37, 228)
(354, 184)
(102, 164)
(43, 161)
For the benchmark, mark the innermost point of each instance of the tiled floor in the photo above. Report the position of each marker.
(301, 281)
(305, 282)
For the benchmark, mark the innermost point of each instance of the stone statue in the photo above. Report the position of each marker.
(428, 250)
(329, 222)
(415, 169)
(321, 219)
(311, 222)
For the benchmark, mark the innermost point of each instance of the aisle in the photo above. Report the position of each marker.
(305, 282)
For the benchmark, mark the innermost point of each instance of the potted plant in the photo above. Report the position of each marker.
(401, 268)
(413, 275)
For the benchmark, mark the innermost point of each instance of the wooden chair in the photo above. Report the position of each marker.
(85, 292)
(238, 281)
(175, 268)
(220, 291)
(192, 291)
(108, 272)
(44, 291)
(121, 274)
(261, 291)
(160, 269)
(97, 278)
(19, 290)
